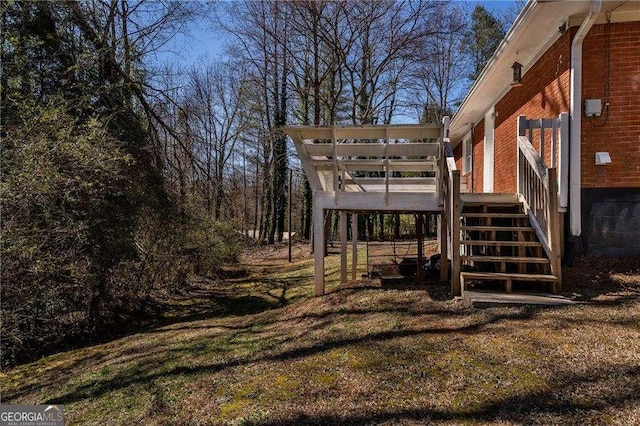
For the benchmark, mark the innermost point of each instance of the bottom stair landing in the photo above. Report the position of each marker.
(507, 278)
(486, 299)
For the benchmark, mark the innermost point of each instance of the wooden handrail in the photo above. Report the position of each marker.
(532, 157)
(538, 190)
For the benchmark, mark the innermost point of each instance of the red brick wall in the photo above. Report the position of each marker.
(465, 178)
(619, 133)
(545, 93)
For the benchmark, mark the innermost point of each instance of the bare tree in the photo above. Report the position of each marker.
(440, 78)
(216, 100)
(316, 74)
(262, 30)
(387, 38)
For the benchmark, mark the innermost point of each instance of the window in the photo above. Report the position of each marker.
(467, 149)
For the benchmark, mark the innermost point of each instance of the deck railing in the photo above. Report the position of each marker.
(538, 190)
(449, 198)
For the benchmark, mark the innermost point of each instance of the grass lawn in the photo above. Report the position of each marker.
(363, 354)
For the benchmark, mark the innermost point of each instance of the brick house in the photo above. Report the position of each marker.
(580, 58)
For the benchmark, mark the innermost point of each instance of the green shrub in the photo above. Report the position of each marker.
(87, 238)
(213, 243)
(65, 221)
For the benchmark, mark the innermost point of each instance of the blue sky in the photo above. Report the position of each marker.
(203, 41)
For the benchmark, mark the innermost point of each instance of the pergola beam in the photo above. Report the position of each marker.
(377, 165)
(413, 132)
(375, 201)
(372, 149)
(307, 164)
(392, 181)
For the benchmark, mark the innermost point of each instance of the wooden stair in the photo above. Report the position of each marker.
(499, 245)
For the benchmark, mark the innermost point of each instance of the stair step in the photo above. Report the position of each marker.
(490, 205)
(511, 259)
(496, 228)
(498, 199)
(501, 243)
(496, 215)
(508, 276)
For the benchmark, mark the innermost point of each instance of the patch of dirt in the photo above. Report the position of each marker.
(277, 253)
(603, 278)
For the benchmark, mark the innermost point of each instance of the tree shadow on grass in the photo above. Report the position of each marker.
(223, 305)
(194, 303)
(431, 285)
(207, 300)
(270, 354)
(541, 407)
(150, 370)
(603, 280)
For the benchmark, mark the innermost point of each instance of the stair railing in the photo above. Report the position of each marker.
(552, 133)
(538, 191)
(449, 198)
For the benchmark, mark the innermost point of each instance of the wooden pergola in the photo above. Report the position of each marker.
(338, 162)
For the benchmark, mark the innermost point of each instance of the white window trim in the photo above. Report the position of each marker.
(467, 154)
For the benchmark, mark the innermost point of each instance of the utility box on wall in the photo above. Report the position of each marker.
(592, 107)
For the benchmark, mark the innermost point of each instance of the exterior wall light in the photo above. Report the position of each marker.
(517, 74)
(602, 158)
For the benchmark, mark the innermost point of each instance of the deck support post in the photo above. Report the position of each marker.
(444, 250)
(343, 246)
(553, 229)
(456, 288)
(318, 246)
(354, 246)
(419, 236)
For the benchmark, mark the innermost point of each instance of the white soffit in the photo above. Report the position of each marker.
(535, 29)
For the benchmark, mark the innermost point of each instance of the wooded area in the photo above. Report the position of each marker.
(123, 173)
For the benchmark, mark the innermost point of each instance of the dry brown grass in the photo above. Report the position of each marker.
(363, 354)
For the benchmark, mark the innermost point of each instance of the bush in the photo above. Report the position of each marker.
(62, 186)
(87, 238)
(213, 243)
